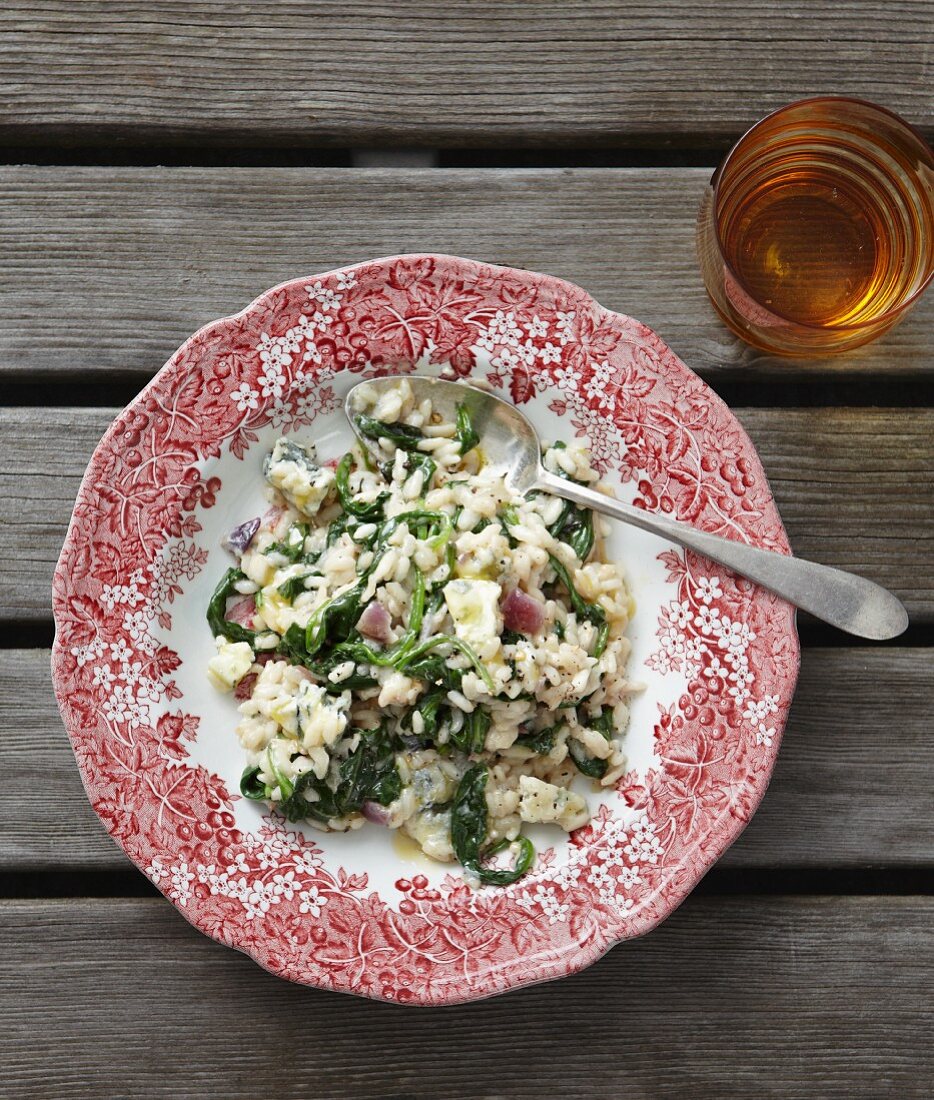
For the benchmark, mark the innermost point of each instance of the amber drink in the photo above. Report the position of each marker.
(816, 233)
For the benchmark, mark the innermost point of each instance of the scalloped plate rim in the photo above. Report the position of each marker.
(578, 957)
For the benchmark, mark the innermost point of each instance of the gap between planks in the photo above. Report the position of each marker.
(135, 260)
(854, 487)
(786, 996)
(507, 75)
(851, 788)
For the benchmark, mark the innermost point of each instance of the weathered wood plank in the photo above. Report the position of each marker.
(108, 270)
(852, 786)
(854, 487)
(729, 997)
(575, 72)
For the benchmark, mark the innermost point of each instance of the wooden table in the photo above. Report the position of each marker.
(165, 162)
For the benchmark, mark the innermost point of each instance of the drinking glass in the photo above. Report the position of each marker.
(816, 233)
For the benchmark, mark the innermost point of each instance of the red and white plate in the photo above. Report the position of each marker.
(155, 743)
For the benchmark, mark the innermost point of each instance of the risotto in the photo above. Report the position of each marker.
(415, 646)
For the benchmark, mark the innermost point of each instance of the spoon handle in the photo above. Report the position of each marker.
(844, 600)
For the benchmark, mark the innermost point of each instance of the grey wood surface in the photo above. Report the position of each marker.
(107, 270)
(575, 72)
(855, 488)
(850, 789)
(731, 997)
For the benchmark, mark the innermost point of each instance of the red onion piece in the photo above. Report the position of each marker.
(522, 613)
(376, 813)
(375, 622)
(240, 537)
(243, 612)
(244, 689)
(272, 519)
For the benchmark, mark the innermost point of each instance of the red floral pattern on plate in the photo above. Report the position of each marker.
(136, 540)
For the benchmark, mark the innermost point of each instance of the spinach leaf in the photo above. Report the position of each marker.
(434, 670)
(292, 547)
(575, 524)
(464, 433)
(416, 613)
(356, 681)
(542, 742)
(333, 621)
(395, 656)
(591, 765)
(424, 462)
(217, 610)
(368, 513)
(324, 666)
(368, 774)
(250, 786)
(437, 588)
(508, 518)
(292, 645)
(575, 527)
(344, 522)
(405, 436)
(433, 710)
(298, 808)
(436, 598)
(511, 637)
(285, 785)
(471, 737)
(434, 526)
(334, 625)
(469, 826)
(455, 643)
(293, 587)
(360, 653)
(592, 612)
(604, 722)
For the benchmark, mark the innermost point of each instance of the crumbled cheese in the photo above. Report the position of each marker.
(291, 468)
(322, 718)
(279, 613)
(397, 689)
(546, 803)
(257, 567)
(431, 831)
(474, 607)
(230, 665)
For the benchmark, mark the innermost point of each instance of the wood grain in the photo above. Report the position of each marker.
(852, 786)
(576, 72)
(107, 270)
(729, 997)
(855, 488)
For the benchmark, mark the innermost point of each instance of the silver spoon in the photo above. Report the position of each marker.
(511, 447)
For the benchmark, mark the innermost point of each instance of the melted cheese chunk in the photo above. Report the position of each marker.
(231, 663)
(322, 718)
(474, 607)
(291, 468)
(546, 803)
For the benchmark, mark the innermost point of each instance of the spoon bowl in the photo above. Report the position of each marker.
(512, 448)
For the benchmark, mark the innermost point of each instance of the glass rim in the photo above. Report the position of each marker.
(912, 131)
